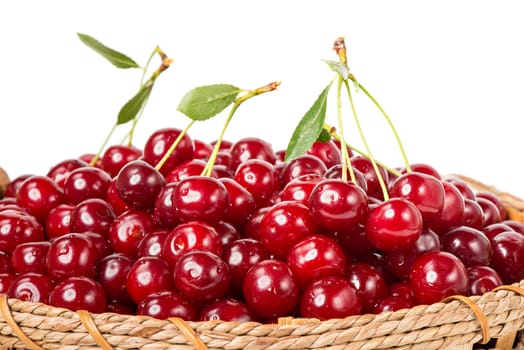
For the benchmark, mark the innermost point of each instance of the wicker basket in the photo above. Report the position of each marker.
(494, 319)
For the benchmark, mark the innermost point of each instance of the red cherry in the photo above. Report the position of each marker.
(116, 156)
(300, 188)
(31, 286)
(114, 199)
(128, 229)
(192, 167)
(5, 263)
(515, 225)
(365, 166)
(328, 152)
(330, 298)
(473, 214)
(508, 256)
(252, 227)
(335, 172)
(58, 221)
(495, 200)
(424, 168)
(259, 178)
(169, 303)
(241, 204)
(228, 310)
(30, 257)
(16, 228)
(482, 279)
(251, 148)
(6, 278)
(394, 224)
(369, 283)
(94, 215)
(61, 171)
(463, 187)
(111, 273)
(305, 164)
(152, 243)
(491, 213)
(164, 207)
(84, 183)
(202, 150)
(227, 232)
(392, 303)
(12, 187)
(148, 275)
(492, 230)
(38, 195)
(79, 293)
(468, 244)
(452, 214)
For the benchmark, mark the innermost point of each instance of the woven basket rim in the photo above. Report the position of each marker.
(456, 321)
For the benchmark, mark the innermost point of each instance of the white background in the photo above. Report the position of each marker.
(449, 74)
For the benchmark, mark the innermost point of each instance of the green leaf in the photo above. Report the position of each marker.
(116, 58)
(309, 127)
(204, 102)
(339, 68)
(130, 110)
(324, 136)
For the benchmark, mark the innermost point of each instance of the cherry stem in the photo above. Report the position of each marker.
(332, 131)
(346, 162)
(368, 149)
(208, 169)
(173, 146)
(104, 144)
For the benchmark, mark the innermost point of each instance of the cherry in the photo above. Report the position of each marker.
(38, 195)
(113, 198)
(437, 275)
(463, 187)
(58, 221)
(369, 283)
(327, 152)
(200, 198)
(190, 236)
(116, 156)
(61, 171)
(169, 303)
(202, 150)
(84, 183)
(452, 214)
(152, 243)
(400, 261)
(259, 178)
(71, 255)
(222, 171)
(16, 228)
(300, 188)
(468, 244)
(335, 172)
(128, 229)
(491, 214)
(492, 230)
(227, 232)
(283, 225)
(378, 259)
(138, 184)
(120, 308)
(251, 148)
(12, 187)
(270, 289)
(100, 242)
(30, 257)
(240, 256)
(305, 164)
(337, 205)
(94, 215)
(365, 166)
(402, 290)
(330, 297)
(149, 274)
(31, 286)
(111, 273)
(225, 145)
(202, 276)
(515, 225)
(5, 263)
(252, 227)
(394, 224)
(158, 144)
(314, 257)
(392, 303)
(353, 241)
(6, 278)
(473, 214)
(425, 191)
(508, 256)
(192, 167)
(424, 168)
(495, 200)
(228, 310)
(89, 158)
(482, 279)
(241, 204)
(79, 293)
(164, 208)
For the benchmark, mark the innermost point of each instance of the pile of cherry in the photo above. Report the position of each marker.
(258, 239)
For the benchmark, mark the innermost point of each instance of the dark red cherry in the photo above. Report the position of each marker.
(79, 293)
(463, 187)
(202, 150)
(353, 241)
(270, 289)
(100, 242)
(71, 255)
(437, 275)
(193, 167)
(251, 148)
(369, 283)
(473, 214)
(31, 286)
(482, 279)
(202, 276)
(200, 198)
(38, 195)
(305, 164)
(403, 290)
(491, 214)
(425, 191)
(241, 204)
(158, 144)
(152, 243)
(300, 188)
(16, 228)
(113, 198)
(337, 205)
(283, 225)
(5, 263)
(394, 224)
(424, 168)
(508, 256)
(495, 200)
(90, 158)
(30, 257)
(116, 156)
(252, 227)
(84, 183)
(335, 172)
(128, 229)
(58, 221)
(452, 214)
(6, 278)
(111, 273)
(61, 171)
(515, 225)
(149, 274)
(190, 236)
(330, 298)
(94, 215)
(314, 257)
(392, 303)
(492, 230)
(138, 184)
(164, 207)
(365, 166)
(227, 232)
(225, 145)
(12, 187)
(169, 303)
(117, 307)
(468, 244)
(228, 310)
(259, 178)
(328, 152)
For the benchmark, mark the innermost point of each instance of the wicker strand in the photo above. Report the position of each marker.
(188, 332)
(506, 342)
(481, 318)
(8, 317)
(92, 329)
(511, 287)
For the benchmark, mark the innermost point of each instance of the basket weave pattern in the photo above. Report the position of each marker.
(457, 323)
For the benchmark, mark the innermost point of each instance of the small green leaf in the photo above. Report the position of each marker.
(324, 136)
(130, 110)
(116, 58)
(339, 68)
(204, 102)
(309, 127)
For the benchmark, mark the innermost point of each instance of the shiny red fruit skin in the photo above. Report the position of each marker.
(437, 275)
(329, 298)
(508, 256)
(251, 148)
(169, 303)
(468, 244)
(116, 156)
(270, 289)
(79, 293)
(369, 283)
(482, 279)
(149, 274)
(260, 178)
(17, 227)
(452, 214)
(241, 204)
(61, 171)
(38, 195)
(327, 152)
(33, 287)
(128, 229)
(94, 215)
(228, 310)
(84, 183)
(111, 273)
(58, 221)
(30, 257)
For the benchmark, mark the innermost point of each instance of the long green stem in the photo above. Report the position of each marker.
(364, 141)
(104, 144)
(346, 162)
(173, 146)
